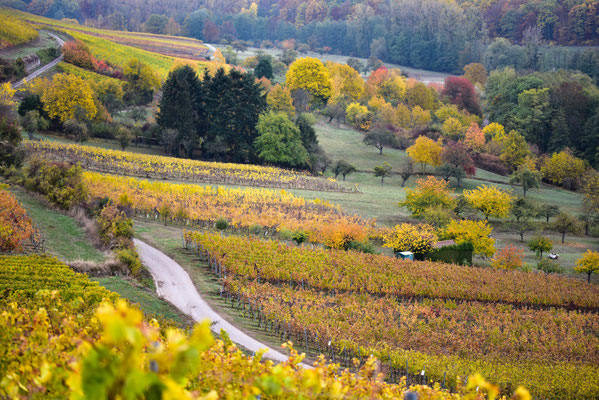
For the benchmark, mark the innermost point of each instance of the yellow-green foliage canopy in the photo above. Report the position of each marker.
(563, 166)
(409, 237)
(65, 95)
(309, 74)
(425, 151)
(279, 100)
(428, 193)
(475, 232)
(346, 82)
(588, 263)
(490, 201)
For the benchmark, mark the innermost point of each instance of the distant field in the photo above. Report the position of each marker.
(419, 74)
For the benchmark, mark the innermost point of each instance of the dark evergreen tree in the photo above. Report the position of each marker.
(233, 104)
(182, 110)
(264, 68)
(308, 134)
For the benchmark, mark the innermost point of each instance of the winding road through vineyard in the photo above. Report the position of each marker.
(175, 285)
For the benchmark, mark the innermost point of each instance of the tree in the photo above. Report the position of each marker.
(565, 223)
(514, 149)
(508, 258)
(279, 141)
(380, 137)
(76, 130)
(524, 209)
(15, 225)
(457, 157)
(452, 128)
(418, 239)
(342, 167)
(476, 73)
(311, 75)
(180, 109)
(168, 138)
(279, 100)
(478, 233)
(264, 68)
(359, 116)
(32, 121)
(529, 179)
(66, 96)
(383, 171)
(461, 92)
(564, 169)
(124, 136)
(308, 134)
(590, 190)
(156, 24)
(548, 211)
(355, 64)
(588, 263)
(540, 244)
(522, 227)
(407, 170)
(142, 80)
(425, 151)
(474, 137)
(429, 192)
(490, 201)
(346, 83)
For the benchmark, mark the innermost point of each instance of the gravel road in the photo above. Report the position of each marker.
(175, 285)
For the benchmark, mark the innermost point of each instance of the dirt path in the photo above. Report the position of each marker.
(43, 69)
(175, 285)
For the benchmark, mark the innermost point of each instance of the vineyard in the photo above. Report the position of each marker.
(158, 167)
(14, 32)
(192, 205)
(47, 306)
(447, 320)
(84, 74)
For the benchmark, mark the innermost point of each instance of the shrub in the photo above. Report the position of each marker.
(549, 266)
(285, 234)
(300, 237)
(509, 258)
(15, 225)
(222, 224)
(257, 229)
(61, 183)
(418, 239)
(130, 258)
(475, 232)
(114, 225)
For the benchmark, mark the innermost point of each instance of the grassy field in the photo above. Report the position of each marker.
(65, 238)
(420, 74)
(147, 300)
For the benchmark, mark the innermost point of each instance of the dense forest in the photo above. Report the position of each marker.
(428, 34)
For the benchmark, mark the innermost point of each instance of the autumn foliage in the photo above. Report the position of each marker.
(15, 225)
(409, 237)
(428, 193)
(510, 257)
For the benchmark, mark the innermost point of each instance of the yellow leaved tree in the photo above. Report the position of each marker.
(346, 82)
(588, 263)
(477, 233)
(279, 100)
(311, 75)
(425, 151)
(490, 201)
(409, 237)
(66, 96)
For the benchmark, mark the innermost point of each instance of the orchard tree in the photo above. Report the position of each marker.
(514, 149)
(380, 137)
(429, 192)
(383, 171)
(490, 201)
(548, 211)
(540, 244)
(311, 75)
(459, 159)
(508, 258)
(565, 223)
(588, 264)
(343, 168)
(11, 154)
(279, 141)
(425, 151)
(279, 100)
(527, 178)
(406, 171)
(124, 136)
